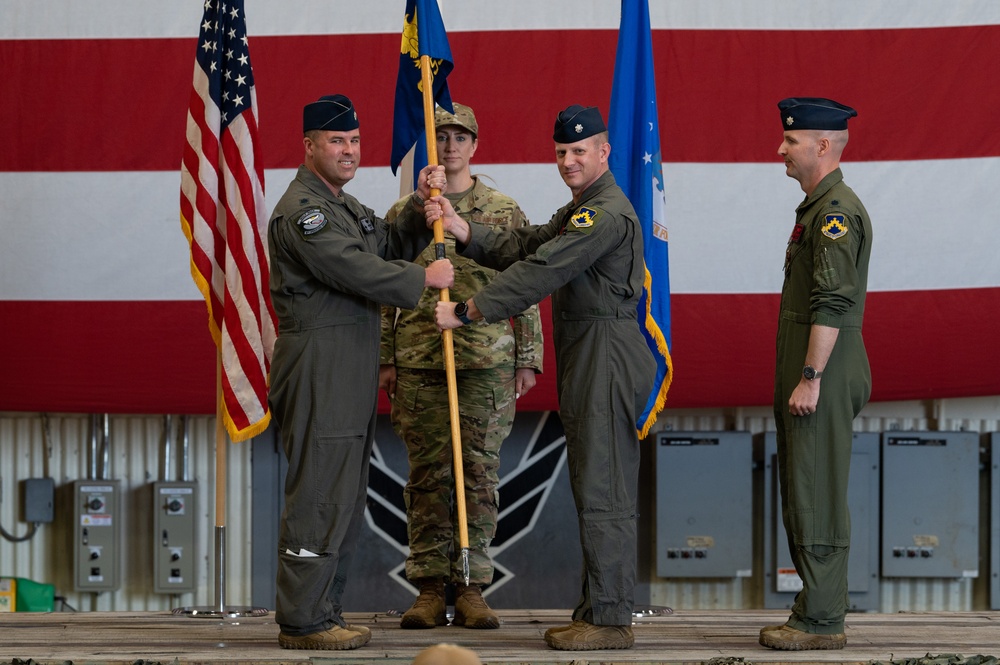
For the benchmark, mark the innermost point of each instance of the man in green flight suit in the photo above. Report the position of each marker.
(333, 261)
(819, 343)
(495, 363)
(589, 257)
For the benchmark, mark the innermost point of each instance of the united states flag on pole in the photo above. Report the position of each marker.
(224, 216)
(638, 168)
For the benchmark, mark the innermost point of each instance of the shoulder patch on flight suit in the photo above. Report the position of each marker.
(584, 219)
(835, 226)
(310, 222)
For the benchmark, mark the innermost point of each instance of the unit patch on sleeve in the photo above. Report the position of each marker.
(835, 227)
(585, 218)
(311, 221)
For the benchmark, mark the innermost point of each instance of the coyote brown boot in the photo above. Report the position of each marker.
(787, 638)
(428, 609)
(334, 637)
(471, 610)
(584, 636)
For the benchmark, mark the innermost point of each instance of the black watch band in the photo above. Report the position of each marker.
(462, 312)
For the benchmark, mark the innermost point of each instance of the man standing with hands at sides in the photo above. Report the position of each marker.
(494, 365)
(332, 263)
(589, 257)
(822, 379)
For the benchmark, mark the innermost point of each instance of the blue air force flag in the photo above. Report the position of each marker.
(423, 34)
(635, 160)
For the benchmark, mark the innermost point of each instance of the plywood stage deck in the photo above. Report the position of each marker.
(91, 638)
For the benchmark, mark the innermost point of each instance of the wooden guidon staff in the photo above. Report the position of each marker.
(447, 342)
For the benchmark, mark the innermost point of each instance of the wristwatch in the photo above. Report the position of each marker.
(810, 373)
(462, 312)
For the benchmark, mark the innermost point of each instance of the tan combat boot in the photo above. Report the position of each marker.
(787, 638)
(428, 609)
(584, 636)
(334, 637)
(471, 610)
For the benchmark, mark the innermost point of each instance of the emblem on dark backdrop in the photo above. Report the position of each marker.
(524, 491)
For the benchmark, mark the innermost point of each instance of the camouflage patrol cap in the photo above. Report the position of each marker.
(463, 117)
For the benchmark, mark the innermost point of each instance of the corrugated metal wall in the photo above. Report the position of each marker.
(59, 446)
(897, 594)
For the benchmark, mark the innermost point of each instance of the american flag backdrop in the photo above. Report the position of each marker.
(224, 216)
(98, 309)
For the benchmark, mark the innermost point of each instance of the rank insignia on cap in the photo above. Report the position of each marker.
(835, 227)
(578, 129)
(311, 221)
(584, 218)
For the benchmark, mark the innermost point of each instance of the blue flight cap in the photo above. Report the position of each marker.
(577, 123)
(814, 113)
(332, 112)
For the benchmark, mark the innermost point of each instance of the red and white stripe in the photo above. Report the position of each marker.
(99, 313)
(224, 216)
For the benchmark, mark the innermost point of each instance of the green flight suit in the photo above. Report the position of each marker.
(589, 257)
(486, 356)
(332, 263)
(826, 280)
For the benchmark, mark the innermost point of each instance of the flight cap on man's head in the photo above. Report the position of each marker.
(462, 117)
(331, 112)
(814, 113)
(576, 123)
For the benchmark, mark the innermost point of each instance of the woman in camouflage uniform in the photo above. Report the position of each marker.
(494, 364)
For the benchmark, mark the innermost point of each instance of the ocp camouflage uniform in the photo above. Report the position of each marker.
(486, 356)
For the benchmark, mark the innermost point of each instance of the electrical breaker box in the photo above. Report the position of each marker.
(97, 535)
(704, 504)
(174, 527)
(781, 580)
(994, 540)
(930, 504)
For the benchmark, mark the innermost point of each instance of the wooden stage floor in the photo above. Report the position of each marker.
(719, 636)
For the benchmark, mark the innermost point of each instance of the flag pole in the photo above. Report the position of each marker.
(220, 490)
(446, 335)
(219, 609)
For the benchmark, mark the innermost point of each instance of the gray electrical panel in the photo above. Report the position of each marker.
(174, 528)
(97, 535)
(930, 504)
(781, 581)
(994, 540)
(704, 504)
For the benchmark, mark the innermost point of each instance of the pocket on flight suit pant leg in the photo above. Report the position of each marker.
(336, 483)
